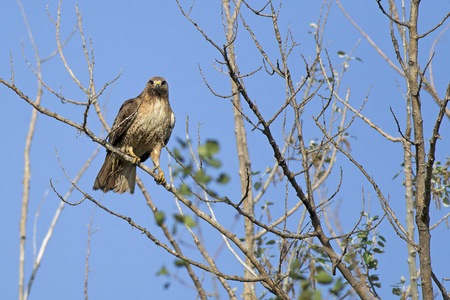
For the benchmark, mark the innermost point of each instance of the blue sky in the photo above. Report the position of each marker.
(151, 38)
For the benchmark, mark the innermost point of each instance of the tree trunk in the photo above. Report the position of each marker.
(422, 203)
(242, 150)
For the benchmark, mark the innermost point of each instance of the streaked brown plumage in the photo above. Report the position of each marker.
(142, 128)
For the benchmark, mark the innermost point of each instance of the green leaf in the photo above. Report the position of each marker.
(295, 276)
(223, 178)
(202, 177)
(271, 242)
(341, 53)
(184, 190)
(178, 155)
(189, 221)
(179, 218)
(373, 264)
(395, 176)
(162, 271)
(323, 277)
(446, 202)
(338, 286)
(186, 219)
(367, 257)
(295, 264)
(159, 218)
(260, 251)
(397, 291)
(378, 250)
(208, 149)
(362, 234)
(257, 185)
(182, 143)
(214, 163)
(317, 295)
(185, 171)
(180, 263)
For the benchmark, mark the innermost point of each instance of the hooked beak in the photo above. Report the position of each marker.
(157, 84)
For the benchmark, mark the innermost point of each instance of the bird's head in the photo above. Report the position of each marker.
(157, 86)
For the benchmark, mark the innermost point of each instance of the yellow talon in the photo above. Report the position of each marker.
(129, 151)
(161, 179)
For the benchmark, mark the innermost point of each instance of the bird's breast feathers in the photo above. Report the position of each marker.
(152, 125)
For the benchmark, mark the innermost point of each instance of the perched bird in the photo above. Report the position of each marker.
(141, 129)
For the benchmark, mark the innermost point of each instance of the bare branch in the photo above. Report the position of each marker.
(365, 119)
(401, 232)
(62, 45)
(399, 129)
(440, 221)
(389, 16)
(258, 12)
(433, 141)
(86, 271)
(58, 42)
(162, 245)
(435, 27)
(51, 228)
(26, 172)
(198, 27)
(171, 239)
(370, 41)
(441, 287)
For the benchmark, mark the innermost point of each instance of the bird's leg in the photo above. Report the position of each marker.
(129, 151)
(155, 158)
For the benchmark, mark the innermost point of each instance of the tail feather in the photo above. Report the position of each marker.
(125, 180)
(116, 175)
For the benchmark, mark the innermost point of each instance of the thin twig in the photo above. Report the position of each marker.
(157, 242)
(26, 172)
(51, 228)
(398, 22)
(435, 27)
(370, 41)
(441, 287)
(86, 271)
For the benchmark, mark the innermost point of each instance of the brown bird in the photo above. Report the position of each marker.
(141, 129)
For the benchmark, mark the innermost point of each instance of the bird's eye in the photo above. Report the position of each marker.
(151, 82)
(164, 83)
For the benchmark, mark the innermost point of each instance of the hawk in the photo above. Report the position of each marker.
(141, 129)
